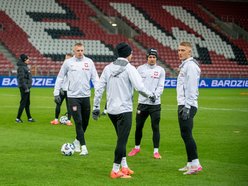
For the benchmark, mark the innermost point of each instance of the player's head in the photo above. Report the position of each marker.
(68, 55)
(184, 50)
(78, 50)
(152, 55)
(124, 50)
(24, 58)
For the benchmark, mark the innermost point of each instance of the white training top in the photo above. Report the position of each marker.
(187, 83)
(79, 73)
(119, 78)
(153, 77)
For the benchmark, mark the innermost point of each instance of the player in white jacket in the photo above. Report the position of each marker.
(80, 70)
(187, 100)
(120, 78)
(63, 96)
(153, 77)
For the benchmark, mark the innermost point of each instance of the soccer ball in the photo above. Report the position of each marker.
(63, 119)
(67, 149)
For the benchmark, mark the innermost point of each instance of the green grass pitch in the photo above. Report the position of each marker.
(30, 152)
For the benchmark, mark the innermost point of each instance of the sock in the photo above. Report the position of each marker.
(155, 150)
(195, 162)
(105, 111)
(124, 162)
(56, 119)
(116, 167)
(137, 146)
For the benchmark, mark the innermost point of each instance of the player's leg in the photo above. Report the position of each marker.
(122, 124)
(186, 127)
(155, 120)
(141, 116)
(22, 105)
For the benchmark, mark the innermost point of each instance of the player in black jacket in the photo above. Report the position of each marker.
(24, 79)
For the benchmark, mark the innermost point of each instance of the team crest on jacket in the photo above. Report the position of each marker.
(74, 108)
(86, 66)
(155, 74)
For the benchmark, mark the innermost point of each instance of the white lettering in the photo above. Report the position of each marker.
(233, 83)
(203, 83)
(214, 83)
(246, 83)
(49, 82)
(227, 83)
(173, 83)
(170, 83)
(5, 81)
(9, 82)
(43, 82)
(240, 82)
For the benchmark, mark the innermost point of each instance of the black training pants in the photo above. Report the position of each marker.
(58, 106)
(80, 110)
(122, 123)
(24, 103)
(143, 111)
(186, 127)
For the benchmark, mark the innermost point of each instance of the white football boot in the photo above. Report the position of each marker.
(76, 144)
(84, 151)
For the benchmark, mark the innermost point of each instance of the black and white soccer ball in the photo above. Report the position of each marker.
(67, 149)
(63, 119)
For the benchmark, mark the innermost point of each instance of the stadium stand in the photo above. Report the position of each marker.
(5, 65)
(46, 30)
(231, 12)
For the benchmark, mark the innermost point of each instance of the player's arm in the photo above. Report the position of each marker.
(192, 85)
(160, 87)
(94, 75)
(21, 75)
(137, 82)
(99, 89)
(60, 78)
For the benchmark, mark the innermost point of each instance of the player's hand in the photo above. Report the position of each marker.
(27, 90)
(185, 113)
(152, 98)
(57, 99)
(61, 91)
(95, 114)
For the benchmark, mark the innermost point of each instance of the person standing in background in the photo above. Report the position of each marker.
(187, 101)
(79, 70)
(119, 78)
(63, 95)
(153, 77)
(24, 79)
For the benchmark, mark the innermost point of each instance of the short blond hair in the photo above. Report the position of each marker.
(186, 44)
(69, 54)
(78, 44)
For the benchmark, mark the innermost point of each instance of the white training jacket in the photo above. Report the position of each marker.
(65, 84)
(153, 77)
(119, 78)
(79, 73)
(187, 83)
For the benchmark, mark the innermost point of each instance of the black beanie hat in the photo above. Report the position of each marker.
(152, 51)
(23, 57)
(123, 50)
